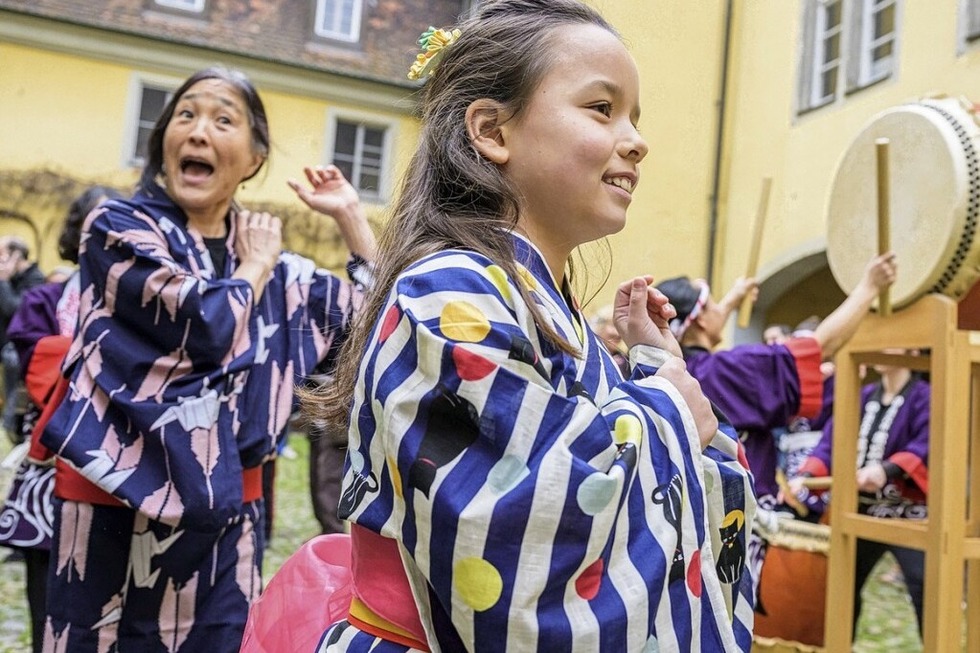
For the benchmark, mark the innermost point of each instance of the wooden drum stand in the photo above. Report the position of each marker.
(950, 537)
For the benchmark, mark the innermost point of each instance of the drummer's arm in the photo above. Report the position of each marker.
(838, 327)
(743, 287)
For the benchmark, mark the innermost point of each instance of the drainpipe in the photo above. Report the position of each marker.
(719, 143)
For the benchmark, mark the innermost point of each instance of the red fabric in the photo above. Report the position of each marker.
(914, 467)
(380, 581)
(38, 451)
(72, 486)
(808, 357)
(44, 368)
(46, 387)
(814, 466)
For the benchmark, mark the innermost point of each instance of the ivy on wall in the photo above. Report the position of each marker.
(33, 204)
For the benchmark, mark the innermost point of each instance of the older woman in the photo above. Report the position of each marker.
(193, 329)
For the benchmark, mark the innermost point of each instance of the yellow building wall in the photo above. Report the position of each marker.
(677, 45)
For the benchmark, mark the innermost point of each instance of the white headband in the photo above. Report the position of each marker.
(678, 326)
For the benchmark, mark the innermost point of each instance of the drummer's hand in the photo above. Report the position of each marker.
(642, 315)
(881, 270)
(795, 486)
(871, 478)
(675, 371)
(744, 287)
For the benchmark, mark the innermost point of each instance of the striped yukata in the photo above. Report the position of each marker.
(538, 500)
(182, 385)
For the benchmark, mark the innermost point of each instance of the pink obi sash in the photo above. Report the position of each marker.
(332, 577)
(383, 604)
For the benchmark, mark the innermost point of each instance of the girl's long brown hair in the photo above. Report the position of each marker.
(451, 197)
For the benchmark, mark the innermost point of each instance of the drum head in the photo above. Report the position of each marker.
(932, 163)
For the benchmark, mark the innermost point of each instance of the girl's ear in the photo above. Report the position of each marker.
(484, 118)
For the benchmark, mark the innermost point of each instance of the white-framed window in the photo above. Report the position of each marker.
(847, 45)
(361, 147)
(147, 98)
(339, 20)
(969, 28)
(875, 47)
(826, 61)
(196, 6)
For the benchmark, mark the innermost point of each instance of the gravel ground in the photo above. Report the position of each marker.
(888, 625)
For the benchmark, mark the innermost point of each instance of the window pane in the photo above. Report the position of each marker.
(973, 19)
(373, 137)
(828, 83)
(369, 182)
(833, 14)
(152, 102)
(883, 51)
(339, 19)
(188, 5)
(346, 167)
(346, 140)
(885, 22)
(831, 49)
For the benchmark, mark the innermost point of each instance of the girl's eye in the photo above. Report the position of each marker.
(604, 108)
(185, 113)
(224, 120)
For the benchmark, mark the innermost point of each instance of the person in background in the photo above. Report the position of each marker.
(18, 274)
(762, 387)
(508, 489)
(776, 334)
(44, 323)
(892, 470)
(194, 328)
(332, 195)
(604, 326)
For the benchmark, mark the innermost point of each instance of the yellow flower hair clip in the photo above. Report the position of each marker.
(433, 43)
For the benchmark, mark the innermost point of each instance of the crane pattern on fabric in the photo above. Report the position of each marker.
(180, 379)
(215, 380)
(539, 500)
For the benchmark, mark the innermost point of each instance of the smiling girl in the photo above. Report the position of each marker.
(508, 489)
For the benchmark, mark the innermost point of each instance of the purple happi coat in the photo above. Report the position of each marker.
(900, 437)
(759, 388)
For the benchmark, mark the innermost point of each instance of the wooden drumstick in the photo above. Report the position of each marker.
(745, 310)
(884, 213)
(818, 482)
(789, 498)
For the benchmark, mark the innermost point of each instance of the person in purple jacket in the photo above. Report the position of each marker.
(761, 387)
(51, 309)
(893, 473)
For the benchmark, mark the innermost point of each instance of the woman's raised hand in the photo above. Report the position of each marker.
(329, 193)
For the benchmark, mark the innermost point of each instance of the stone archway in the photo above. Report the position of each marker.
(794, 291)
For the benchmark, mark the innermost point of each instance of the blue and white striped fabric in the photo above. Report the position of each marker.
(540, 501)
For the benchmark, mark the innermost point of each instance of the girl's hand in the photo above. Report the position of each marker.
(675, 371)
(642, 315)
